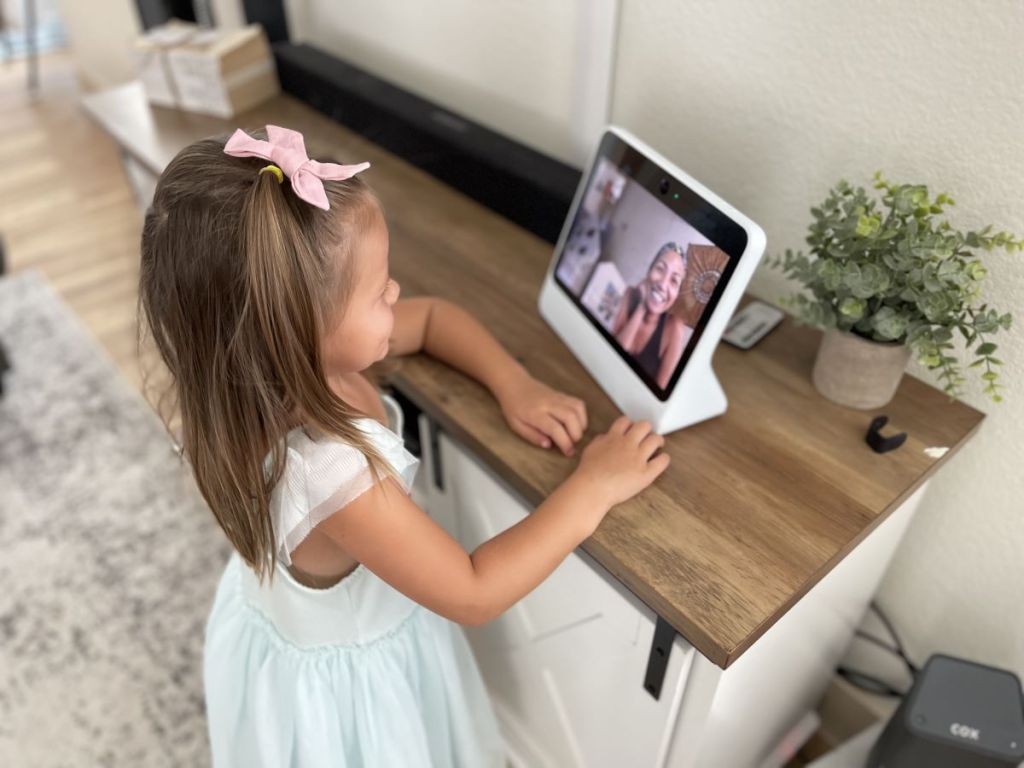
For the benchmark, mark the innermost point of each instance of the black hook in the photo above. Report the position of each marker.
(879, 443)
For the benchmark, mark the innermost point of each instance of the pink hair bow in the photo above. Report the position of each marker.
(286, 149)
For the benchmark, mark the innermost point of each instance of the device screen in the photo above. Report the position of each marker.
(646, 259)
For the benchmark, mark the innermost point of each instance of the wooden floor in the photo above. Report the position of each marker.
(66, 207)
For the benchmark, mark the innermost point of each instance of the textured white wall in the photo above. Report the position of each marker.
(769, 104)
(507, 65)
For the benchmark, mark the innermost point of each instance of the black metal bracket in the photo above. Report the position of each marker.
(435, 453)
(410, 422)
(657, 661)
(411, 434)
(5, 366)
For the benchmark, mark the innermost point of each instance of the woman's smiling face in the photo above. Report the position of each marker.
(664, 280)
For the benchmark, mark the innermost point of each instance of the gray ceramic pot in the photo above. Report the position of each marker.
(858, 373)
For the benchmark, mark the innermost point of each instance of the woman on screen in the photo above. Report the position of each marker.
(644, 326)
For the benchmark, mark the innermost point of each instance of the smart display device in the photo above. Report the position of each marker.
(646, 273)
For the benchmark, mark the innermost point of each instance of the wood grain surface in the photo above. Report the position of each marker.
(758, 504)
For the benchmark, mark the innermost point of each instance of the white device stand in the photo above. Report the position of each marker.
(697, 395)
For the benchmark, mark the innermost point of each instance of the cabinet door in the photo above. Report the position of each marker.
(565, 665)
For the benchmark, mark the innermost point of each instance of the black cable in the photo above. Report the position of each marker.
(880, 643)
(911, 666)
(868, 682)
(897, 651)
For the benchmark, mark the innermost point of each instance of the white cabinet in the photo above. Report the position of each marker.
(565, 666)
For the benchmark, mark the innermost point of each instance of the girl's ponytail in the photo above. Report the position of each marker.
(239, 279)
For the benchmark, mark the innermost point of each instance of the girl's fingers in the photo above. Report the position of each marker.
(580, 409)
(639, 430)
(657, 465)
(620, 425)
(650, 444)
(570, 420)
(532, 434)
(556, 431)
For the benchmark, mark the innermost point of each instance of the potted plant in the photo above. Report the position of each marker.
(888, 277)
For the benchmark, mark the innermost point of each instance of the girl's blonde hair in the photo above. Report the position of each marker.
(239, 281)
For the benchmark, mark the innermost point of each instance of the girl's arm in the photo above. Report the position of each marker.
(385, 531)
(449, 333)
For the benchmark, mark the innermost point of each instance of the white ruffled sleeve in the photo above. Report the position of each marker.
(321, 477)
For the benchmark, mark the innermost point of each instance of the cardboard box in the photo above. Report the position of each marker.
(223, 73)
(151, 59)
(212, 71)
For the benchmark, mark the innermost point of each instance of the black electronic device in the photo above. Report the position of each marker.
(958, 714)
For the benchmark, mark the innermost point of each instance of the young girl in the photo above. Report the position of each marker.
(334, 637)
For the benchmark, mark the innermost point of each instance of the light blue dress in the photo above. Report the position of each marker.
(356, 675)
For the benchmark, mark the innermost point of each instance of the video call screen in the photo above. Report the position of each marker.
(644, 274)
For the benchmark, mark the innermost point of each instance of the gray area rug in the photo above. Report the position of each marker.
(109, 557)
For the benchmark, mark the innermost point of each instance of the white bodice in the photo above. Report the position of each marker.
(320, 478)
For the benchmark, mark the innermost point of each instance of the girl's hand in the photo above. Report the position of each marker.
(619, 464)
(541, 415)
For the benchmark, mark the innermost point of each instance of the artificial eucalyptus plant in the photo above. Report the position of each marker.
(886, 267)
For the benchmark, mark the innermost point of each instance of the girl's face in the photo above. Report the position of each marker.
(361, 338)
(663, 281)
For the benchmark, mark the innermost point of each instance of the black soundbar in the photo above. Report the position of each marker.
(528, 187)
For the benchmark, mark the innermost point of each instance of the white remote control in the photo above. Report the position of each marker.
(751, 324)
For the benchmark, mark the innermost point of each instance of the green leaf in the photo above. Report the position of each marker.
(888, 324)
(852, 308)
(975, 270)
(985, 349)
(867, 226)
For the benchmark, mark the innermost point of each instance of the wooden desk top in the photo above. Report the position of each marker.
(757, 506)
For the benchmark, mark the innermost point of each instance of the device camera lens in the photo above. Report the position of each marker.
(663, 186)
